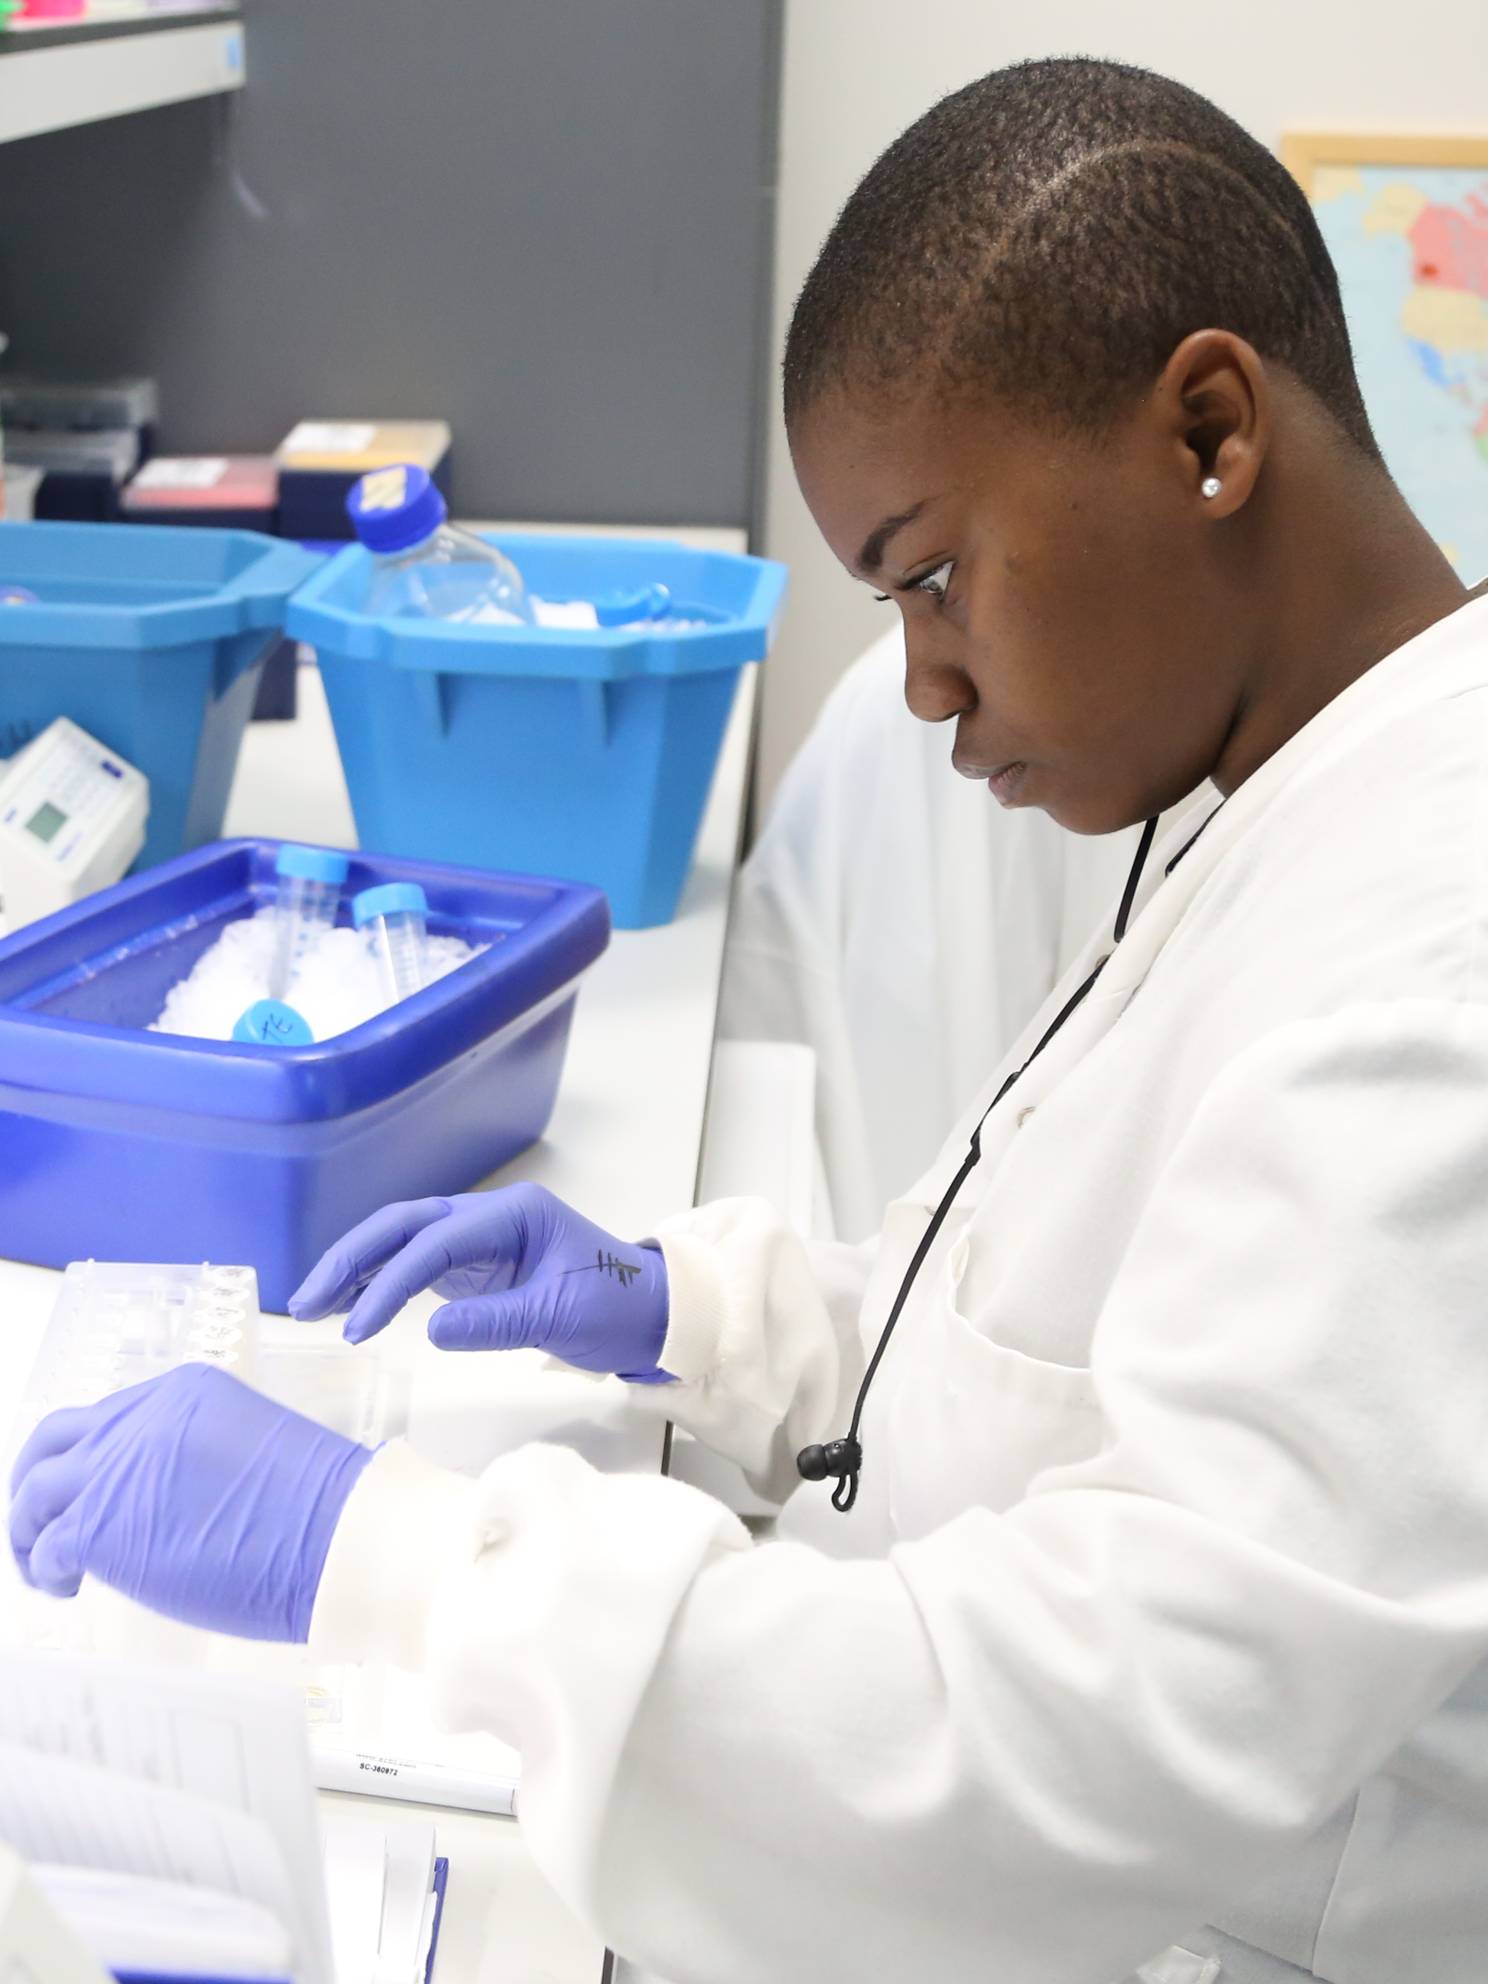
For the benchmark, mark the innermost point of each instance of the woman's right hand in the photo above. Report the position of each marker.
(522, 1271)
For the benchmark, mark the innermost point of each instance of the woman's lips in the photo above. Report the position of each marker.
(1002, 781)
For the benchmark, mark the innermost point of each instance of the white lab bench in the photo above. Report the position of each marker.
(625, 1144)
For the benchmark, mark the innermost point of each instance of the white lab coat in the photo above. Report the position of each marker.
(1166, 1597)
(902, 925)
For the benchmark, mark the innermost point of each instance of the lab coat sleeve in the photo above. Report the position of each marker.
(762, 1336)
(1040, 1744)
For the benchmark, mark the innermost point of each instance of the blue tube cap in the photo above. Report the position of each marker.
(392, 509)
(270, 1023)
(624, 609)
(390, 899)
(312, 864)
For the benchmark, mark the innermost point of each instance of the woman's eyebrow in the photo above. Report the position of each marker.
(876, 542)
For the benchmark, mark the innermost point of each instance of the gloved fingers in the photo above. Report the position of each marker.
(58, 1432)
(55, 1565)
(517, 1319)
(498, 1234)
(343, 1270)
(46, 1491)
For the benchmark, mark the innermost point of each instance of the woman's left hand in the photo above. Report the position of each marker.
(193, 1494)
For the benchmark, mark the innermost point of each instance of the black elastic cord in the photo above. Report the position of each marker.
(1133, 880)
(846, 1491)
(1194, 839)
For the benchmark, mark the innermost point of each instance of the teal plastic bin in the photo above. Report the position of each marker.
(153, 641)
(538, 750)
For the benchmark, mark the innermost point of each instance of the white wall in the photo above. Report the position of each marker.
(857, 71)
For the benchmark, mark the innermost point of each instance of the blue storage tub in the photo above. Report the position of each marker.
(152, 640)
(134, 1146)
(583, 754)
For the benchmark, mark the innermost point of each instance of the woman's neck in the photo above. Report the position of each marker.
(1355, 578)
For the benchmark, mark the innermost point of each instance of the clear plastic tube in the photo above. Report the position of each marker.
(394, 921)
(308, 895)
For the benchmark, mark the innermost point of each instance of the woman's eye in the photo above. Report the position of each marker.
(935, 584)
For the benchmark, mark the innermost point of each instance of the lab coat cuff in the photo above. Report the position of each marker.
(405, 1524)
(697, 1307)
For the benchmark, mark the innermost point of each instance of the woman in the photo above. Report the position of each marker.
(1161, 1598)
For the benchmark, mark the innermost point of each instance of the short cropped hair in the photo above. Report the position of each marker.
(1051, 233)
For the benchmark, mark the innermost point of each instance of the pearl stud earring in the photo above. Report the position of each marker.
(1210, 486)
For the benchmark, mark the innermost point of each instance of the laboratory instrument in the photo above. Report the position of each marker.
(308, 883)
(72, 820)
(394, 920)
(425, 565)
(270, 1023)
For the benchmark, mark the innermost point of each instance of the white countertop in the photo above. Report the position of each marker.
(624, 1145)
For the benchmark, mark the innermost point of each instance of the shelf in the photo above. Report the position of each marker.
(55, 76)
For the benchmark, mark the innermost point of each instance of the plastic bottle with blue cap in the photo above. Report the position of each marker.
(425, 565)
(394, 920)
(308, 882)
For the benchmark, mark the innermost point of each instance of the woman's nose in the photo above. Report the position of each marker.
(935, 690)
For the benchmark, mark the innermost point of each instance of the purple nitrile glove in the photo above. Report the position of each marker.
(191, 1493)
(523, 1271)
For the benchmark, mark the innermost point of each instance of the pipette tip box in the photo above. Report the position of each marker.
(223, 492)
(320, 460)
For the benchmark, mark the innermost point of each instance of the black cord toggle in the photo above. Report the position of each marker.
(838, 1458)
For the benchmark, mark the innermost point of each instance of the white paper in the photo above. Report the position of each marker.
(161, 1927)
(329, 437)
(60, 1812)
(234, 1743)
(182, 472)
(36, 1947)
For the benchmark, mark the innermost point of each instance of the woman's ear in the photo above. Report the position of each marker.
(1216, 398)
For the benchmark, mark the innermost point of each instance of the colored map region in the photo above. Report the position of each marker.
(1411, 247)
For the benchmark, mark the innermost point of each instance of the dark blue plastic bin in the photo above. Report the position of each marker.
(583, 754)
(132, 1146)
(152, 640)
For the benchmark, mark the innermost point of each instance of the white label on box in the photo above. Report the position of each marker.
(182, 472)
(329, 437)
